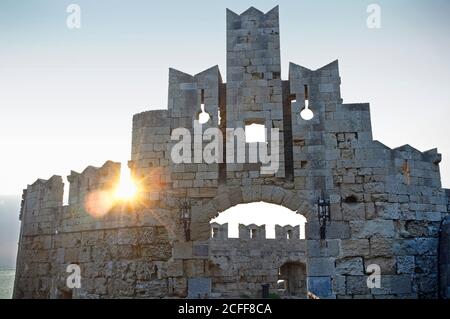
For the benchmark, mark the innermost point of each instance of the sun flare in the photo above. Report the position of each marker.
(127, 189)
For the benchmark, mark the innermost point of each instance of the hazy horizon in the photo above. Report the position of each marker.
(9, 230)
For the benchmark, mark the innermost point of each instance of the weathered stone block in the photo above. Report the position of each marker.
(320, 286)
(380, 246)
(69, 240)
(201, 250)
(337, 230)
(426, 283)
(426, 264)
(405, 264)
(85, 254)
(147, 235)
(357, 285)
(194, 268)
(370, 211)
(339, 285)
(353, 211)
(182, 250)
(429, 216)
(401, 284)
(328, 248)
(199, 288)
(92, 238)
(175, 268)
(60, 252)
(100, 286)
(371, 228)
(355, 247)
(350, 266)
(418, 246)
(387, 264)
(321, 266)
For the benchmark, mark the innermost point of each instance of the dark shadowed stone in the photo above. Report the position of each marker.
(201, 250)
(350, 266)
(320, 286)
(199, 288)
(405, 264)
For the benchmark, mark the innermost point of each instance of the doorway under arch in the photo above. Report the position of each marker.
(255, 245)
(292, 281)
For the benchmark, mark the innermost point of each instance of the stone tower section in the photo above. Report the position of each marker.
(254, 86)
(189, 97)
(313, 140)
(40, 215)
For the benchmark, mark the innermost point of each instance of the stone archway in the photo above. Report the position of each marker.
(240, 266)
(228, 197)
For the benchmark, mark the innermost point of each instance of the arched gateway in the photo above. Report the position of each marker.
(379, 208)
(229, 197)
(240, 267)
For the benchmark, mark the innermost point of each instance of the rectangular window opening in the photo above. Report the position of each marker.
(306, 95)
(289, 234)
(202, 98)
(255, 133)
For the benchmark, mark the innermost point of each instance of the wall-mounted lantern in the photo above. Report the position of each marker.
(185, 218)
(323, 212)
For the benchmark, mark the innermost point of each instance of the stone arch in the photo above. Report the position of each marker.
(252, 264)
(229, 197)
(271, 194)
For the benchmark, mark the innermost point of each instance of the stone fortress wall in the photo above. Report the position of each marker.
(387, 205)
(240, 266)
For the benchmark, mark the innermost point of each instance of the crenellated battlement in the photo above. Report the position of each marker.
(287, 232)
(93, 179)
(188, 93)
(42, 209)
(316, 86)
(219, 231)
(254, 232)
(42, 203)
(253, 17)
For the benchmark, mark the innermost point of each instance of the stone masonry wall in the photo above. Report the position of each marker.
(120, 252)
(444, 258)
(386, 205)
(240, 266)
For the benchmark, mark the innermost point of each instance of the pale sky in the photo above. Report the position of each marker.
(67, 97)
